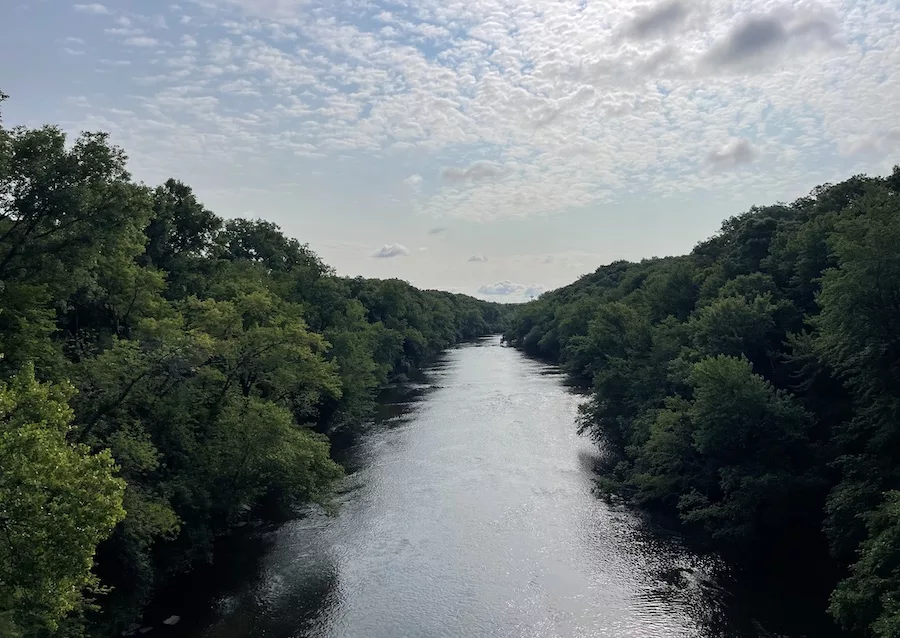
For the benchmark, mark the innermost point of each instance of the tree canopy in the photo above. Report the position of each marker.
(752, 387)
(167, 374)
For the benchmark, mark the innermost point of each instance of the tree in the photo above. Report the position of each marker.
(208, 359)
(752, 387)
(745, 463)
(69, 215)
(57, 502)
(867, 600)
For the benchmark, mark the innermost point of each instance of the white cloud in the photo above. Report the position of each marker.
(413, 181)
(475, 172)
(91, 8)
(70, 51)
(391, 250)
(504, 288)
(885, 142)
(141, 41)
(532, 108)
(123, 31)
(477, 259)
(79, 101)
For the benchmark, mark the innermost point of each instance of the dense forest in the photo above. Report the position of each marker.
(752, 389)
(165, 375)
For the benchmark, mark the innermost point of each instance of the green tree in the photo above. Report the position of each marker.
(57, 502)
(867, 600)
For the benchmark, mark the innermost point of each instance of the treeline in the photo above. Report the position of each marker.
(752, 388)
(166, 374)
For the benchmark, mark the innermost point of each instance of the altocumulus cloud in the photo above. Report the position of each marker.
(514, 113)
(391, 250)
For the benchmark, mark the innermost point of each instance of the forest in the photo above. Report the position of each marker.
(165, 375)
(750, 391)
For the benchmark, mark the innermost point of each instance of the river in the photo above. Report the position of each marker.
(468, 511)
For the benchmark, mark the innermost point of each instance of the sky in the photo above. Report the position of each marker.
(498, 148)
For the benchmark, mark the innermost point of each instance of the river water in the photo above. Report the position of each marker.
(468, 511)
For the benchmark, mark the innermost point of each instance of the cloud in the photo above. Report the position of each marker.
(659, 20)
(71, 51)
(391, 250)
(123, 31)
(474, 172)
(78, 100)
(142, 41)
(437, 230)
(884, 142)
(91, 8)
(423, 249)
(413, 180)
(508, 288)
(733, 154)
(504, 288)
(477, 259)
(560, 114)
(759, 38)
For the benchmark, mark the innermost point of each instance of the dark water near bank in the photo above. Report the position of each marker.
(468, 512)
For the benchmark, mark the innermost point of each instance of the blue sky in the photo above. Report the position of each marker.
(493, 147)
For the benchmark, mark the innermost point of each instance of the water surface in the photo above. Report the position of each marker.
(469, 511)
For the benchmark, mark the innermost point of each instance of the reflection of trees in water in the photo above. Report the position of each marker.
(672, 577)
(294, 592)
(683, 577)
(396, 406)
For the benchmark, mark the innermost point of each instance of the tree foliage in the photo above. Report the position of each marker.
(57, 502)
(167, 375)
(752, 387)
